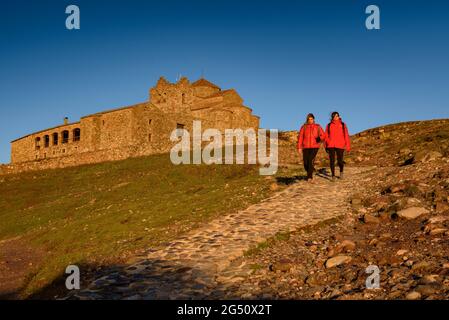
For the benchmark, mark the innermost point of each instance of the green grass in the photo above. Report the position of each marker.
(98, 213)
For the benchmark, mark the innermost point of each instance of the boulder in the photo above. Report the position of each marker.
(413, 296)
(412, 212)
(367, 218)
(336, 261)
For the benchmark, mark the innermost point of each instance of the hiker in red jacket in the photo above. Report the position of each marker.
(309, 139)
(337, 141)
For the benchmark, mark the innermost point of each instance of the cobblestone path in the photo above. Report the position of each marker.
(203, 264)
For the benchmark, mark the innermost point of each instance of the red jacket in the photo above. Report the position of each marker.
(336, 137)
(308, 134)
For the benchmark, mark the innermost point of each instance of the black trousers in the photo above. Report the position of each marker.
(308, 157)
(340, 154)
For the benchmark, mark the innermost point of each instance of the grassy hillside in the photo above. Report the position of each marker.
(104, 212)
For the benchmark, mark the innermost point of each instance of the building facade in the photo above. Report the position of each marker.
(135, 130)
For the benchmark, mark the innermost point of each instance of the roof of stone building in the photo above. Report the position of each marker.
(222, 93)
(52, 128)
(90, 115)
(204, 83)
(115, 109)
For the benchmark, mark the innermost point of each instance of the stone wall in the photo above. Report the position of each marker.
(136, 130)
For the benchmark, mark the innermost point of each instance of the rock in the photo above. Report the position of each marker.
(405, 151)
(421, 266)
(426, 290)
(367, 218)
(437, 219)
(356, 202)
(282, 265)
(346, 246)
(437, 231)
(274, 186)
(412, 212)
(441, 207)
(336, 261)
(431, 156)
(413, 296)
(397, 188)
(401, 252)
(430, 279)
(413, 201)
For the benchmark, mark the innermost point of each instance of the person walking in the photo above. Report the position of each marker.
(337, 142)
(310, 137)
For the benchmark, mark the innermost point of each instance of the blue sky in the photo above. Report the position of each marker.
(285, 58)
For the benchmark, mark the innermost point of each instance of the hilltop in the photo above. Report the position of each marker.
(110, 218)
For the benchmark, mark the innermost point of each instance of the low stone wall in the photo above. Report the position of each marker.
(78, 159)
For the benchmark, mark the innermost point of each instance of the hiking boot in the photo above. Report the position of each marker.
(341, 176)
(333, 179)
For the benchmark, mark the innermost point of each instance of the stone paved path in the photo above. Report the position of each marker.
(202, 265)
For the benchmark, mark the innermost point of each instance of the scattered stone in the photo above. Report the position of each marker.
(346, 246)
(282, 265)
(437, 231)
(367, 218)
(413, 296)
(412, 212)
(336, 261)
(421, 266)
(401, 252)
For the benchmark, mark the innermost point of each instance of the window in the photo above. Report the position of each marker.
(65, 136)
(149, 122)
(103, 122)
(180, 126)
(55, 139)
(76, 134)
(37, 143)
(149, 137)
(46, 141)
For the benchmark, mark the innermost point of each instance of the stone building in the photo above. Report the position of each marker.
(135, 130)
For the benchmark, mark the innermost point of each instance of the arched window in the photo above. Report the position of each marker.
(65, 136)
(46, 141)
(55, 139)
(76, 134)
(37, 143)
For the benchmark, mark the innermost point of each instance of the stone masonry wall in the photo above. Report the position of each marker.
(136, 130)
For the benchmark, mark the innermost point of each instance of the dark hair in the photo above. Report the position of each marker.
(310, 115)
(334, 114)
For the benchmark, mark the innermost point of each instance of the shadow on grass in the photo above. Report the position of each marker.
(290, 180)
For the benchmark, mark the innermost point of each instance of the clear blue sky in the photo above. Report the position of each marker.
(285, 58)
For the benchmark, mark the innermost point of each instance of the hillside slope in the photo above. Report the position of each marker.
(106, 212)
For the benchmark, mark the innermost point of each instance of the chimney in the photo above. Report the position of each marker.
(66, 120)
